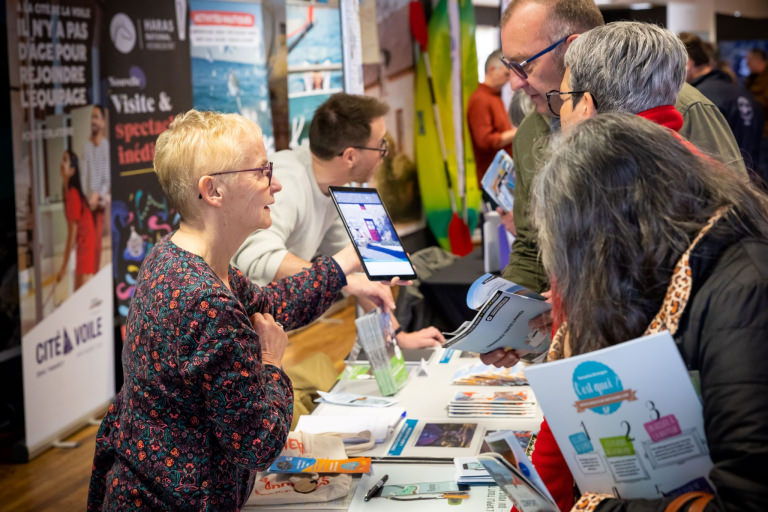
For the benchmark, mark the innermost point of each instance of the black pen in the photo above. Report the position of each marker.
(373, 491)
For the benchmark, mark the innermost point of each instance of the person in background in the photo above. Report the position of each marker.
(757, 83)
(641, 235)
(96, 177)
(346, 144)
(743, 113)
(81, 233)
(489, 125)
(205, 402)
(713, 54)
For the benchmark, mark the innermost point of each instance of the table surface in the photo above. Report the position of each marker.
(427, 397)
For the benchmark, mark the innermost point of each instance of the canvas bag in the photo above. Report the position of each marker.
(274, 488)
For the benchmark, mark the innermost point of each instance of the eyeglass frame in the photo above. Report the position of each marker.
(383, 148)
(268, 174)
(517, 67)
(554, 92)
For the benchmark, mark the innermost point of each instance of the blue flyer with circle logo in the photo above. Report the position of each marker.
(627, 419)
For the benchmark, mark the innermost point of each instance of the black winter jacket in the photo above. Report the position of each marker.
(743, 113)
(723, 334)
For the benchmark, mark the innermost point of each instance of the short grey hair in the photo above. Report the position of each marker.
(493, 60)
(628, 66)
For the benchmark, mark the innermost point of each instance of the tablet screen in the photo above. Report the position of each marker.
(372, 232)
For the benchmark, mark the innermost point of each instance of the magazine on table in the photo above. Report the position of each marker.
(513, 402)
(499, 180)
(509, 465)
(479, 374)
(504, 310)
(627, 419)
(442, 439)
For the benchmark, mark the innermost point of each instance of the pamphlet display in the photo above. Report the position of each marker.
(505, 309)
(386, 360)
(627, 419)
(517, 401)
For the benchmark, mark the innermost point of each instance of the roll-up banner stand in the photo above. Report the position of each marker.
(313, 37)
(353, 46)
(147, 68)
(229, 67)
(62, 196)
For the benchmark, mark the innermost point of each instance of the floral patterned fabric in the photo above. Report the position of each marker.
(198, 413)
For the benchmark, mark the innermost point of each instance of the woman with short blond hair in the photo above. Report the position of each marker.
(205, 402)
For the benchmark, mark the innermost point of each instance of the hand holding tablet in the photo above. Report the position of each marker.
(369, 226)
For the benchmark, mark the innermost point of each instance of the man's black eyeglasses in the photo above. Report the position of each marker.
(383, 148)
(575, 97)
(519, 67)
(265, 170)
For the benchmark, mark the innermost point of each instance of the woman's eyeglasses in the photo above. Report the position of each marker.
(383, 148)
(519, 67)
(265, 170)
(574, 96)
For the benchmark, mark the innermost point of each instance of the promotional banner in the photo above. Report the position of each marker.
(146, 63)
(314, 62)
(229, 70)
(62, 192)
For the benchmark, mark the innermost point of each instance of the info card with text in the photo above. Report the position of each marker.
(627, 419)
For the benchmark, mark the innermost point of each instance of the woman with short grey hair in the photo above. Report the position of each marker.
(628, 218)
(628, 66)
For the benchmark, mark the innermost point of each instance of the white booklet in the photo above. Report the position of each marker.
(502, 320)
(627, 419)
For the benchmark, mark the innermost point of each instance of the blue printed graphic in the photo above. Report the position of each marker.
(592, 379)
(447, 355)
(581, 443)
(402, 437)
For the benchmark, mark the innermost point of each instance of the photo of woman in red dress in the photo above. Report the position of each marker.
(80, 227)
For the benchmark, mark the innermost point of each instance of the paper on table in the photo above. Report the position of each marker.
(355, 400)
(338, 418)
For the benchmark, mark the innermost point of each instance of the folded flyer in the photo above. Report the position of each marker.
(289, 464)
(627, 419)
(513, 471)
(502, 320)
(499, 180)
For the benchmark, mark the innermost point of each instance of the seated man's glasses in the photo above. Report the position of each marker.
(574, 96)
(264, 170)
(383, 148)
(519, 67)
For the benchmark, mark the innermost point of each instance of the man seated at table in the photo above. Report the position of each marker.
(346, 144)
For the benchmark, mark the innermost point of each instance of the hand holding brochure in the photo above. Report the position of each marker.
(499, 180)
(502, 321)
(627, 419)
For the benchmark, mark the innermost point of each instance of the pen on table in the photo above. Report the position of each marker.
(373, 491)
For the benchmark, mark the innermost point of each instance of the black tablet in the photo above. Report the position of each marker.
(372, 233)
